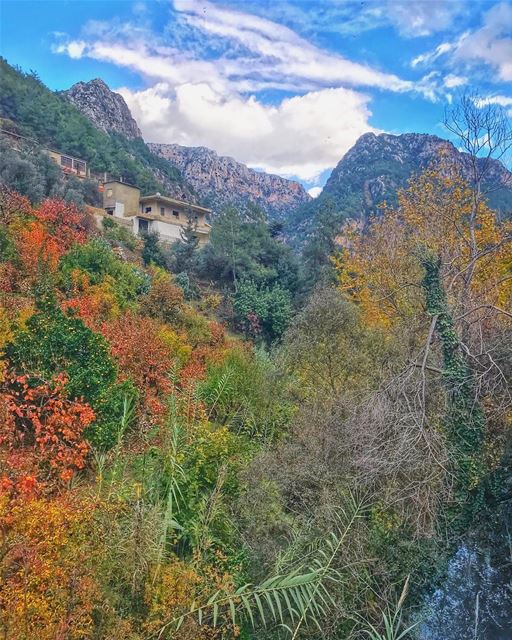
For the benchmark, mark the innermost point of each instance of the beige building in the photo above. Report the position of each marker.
(155, 213)
(69, 164)
(120, 199)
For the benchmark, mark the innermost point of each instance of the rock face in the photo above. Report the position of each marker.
(107, 110)
(221, 181)
(376, 167)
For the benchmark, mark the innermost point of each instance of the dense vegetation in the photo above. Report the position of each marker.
(230, 441)
(161, 478)
(31, 110)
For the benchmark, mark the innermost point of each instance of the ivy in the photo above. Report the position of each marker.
(464, 423)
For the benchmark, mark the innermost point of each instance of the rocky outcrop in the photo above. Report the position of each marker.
(106, 109)
(221, 181)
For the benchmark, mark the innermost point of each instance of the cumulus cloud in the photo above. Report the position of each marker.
(302, 136)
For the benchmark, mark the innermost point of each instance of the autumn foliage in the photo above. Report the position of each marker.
(93, 352)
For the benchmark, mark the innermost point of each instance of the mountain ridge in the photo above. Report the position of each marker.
(222, 180)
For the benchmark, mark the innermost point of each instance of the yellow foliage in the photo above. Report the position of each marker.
(177, 344)
(48, 592)
(380, 268)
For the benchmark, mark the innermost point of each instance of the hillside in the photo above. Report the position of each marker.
(377, 166)
(221, 180)
(29, 108)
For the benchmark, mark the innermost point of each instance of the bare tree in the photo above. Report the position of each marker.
(484, 131)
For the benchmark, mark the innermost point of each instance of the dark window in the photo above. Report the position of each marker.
(162, 211)
(110, 212)
(175, 213)
(143, 226)
(147, 209)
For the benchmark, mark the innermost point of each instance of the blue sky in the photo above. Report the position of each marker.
(286, 86)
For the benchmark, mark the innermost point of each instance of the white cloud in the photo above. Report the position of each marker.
(278, 51)
(302, 136)
(452, 81)
(314, 192)
(431, 56)
(503, 101)
(411, 18)
(74, 49)
(415, 18)
(491, 45)
(269, 55)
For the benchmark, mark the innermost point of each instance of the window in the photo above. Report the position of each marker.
(66, 162)
(175, 213)
(143, 226)
(147, 210)
(79, 166)
(109, 193)
(162, 211)
(110, 212)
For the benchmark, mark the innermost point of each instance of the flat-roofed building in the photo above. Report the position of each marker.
(69, 164)
(168, 217)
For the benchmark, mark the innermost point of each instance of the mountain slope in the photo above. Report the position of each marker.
(106, 109)
(221, 180)
(29, 108)
(376, 167)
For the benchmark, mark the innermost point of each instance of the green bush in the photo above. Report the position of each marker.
(52, 343)
(262, 312)
(98, 261)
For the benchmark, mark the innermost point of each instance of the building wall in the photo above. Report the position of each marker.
(167, 231)
(122, 198)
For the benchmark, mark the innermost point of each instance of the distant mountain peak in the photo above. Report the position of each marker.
(378, 165)
(106, 109)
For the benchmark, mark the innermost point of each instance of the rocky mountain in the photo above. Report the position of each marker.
(106, 109)
(220, 180)
(377, 166)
